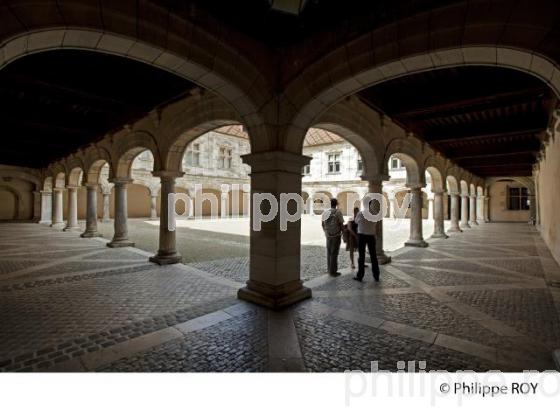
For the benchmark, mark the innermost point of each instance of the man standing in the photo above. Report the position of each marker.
(366, 236)
(333, 223)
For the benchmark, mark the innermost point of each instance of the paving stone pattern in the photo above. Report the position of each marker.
(63, 297)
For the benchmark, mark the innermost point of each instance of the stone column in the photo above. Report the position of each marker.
(167, 253)
(472, 211)
(465, 211)
(106, 217)
(224, 197)
(46, 208)
(416, 237)
(153, 208)
(274, 270)
(375, 185)
(431, 215)
(454, 213)
(439, 227)
(57, 214)
(72, 220)
(120, 238)
(37, 206)
(481, 204)
(91, 212)
(486, 208)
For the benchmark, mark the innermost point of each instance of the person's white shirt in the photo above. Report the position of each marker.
(365, 227)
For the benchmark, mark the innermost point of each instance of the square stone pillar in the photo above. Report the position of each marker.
(274, 270)
(46, 208)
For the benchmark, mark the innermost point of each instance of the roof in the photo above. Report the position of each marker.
(315, 136)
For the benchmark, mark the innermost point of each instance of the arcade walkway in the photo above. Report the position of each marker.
(478, 301)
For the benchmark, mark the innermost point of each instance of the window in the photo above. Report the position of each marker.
(224, 160)
(360, 164)
(517, 199)
(193, 155)
(307, 169)
(395, 163)
(334, 163)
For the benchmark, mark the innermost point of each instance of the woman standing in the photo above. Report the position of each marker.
(352, 242)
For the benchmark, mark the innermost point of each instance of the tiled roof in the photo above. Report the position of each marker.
(315, 136)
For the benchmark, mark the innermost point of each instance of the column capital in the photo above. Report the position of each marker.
(276, 161)
(46, 192)
(72, 187)
(415, 186)
(168, 174)
(90, 184)
(375, 178)
(438, 191)
(121, 181)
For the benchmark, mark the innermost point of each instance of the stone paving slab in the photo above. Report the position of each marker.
(474, 301)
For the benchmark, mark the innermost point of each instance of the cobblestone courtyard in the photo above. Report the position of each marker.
(484, 299)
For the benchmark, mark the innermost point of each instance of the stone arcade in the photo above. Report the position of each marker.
(108, 108)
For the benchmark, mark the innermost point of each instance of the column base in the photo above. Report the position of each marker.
(45, 222)
(91, 235)
(473, 223)
(416, 243)
(463, 226)
(72, 229)
(454, 229)
(383, 259)
(274, 297)
(439, 236)
(162, 259)
(58, 225)
(120, 243)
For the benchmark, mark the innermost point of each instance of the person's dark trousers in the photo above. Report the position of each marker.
(368, 240)
(333, 246)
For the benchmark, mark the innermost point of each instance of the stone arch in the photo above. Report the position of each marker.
(444, 37)
(527, 182)
(472, 189)
(93, 174)
(347, 200)
(514, 35)
(452, 184)
(47, 183)
(407, 152)
(190, 119)
(464, 187)
(353, 121)
(127, 148)
(171, 47)
(25, 174)
(435, 167)
(16, 200)
(320, 200)
(58, 173)
(74, 171)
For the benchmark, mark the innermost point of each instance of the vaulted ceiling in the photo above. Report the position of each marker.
(488, 120)
(52, 103)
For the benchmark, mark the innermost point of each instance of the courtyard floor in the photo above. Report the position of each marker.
(484, 299)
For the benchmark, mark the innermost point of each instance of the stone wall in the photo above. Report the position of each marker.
(16, 199)
(498, 203)
(549, 197)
